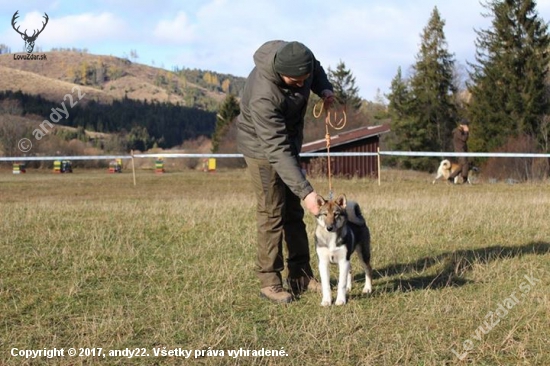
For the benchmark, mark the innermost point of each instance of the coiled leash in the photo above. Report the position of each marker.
(329, 116)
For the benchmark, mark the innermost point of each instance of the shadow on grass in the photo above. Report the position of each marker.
(450, 267)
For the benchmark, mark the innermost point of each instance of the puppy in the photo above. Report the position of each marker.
(341, 230)
(445, 169)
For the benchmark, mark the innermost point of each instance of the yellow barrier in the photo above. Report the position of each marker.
(159, 166)
(212, 165)
(19, 168)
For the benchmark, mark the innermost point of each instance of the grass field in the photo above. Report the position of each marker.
(89, 261)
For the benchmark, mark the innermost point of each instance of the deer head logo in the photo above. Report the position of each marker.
(29, 40)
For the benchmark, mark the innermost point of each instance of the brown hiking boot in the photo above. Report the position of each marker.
(276, 293)
(302, 284)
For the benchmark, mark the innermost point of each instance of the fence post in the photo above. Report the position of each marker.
(133, 167)
(378, 157)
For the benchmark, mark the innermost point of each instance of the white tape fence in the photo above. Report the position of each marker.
(182, 155)
(379, 154)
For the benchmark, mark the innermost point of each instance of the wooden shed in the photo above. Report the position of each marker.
(364, 139)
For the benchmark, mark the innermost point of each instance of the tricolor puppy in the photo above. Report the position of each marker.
(445, 169)
(341, 230)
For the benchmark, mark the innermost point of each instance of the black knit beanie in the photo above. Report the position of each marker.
(294, 60)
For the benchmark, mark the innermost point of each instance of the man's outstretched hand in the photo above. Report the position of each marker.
(311, 203)
(328, 99)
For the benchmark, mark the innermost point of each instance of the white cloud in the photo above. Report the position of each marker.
(70, 31)
(86, 27)
(176, 31)
(219, 35)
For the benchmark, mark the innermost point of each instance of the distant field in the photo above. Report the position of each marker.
(90, 261)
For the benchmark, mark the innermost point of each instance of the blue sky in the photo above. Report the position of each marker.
(372, 37)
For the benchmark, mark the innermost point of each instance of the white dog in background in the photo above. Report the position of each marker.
(445, 169)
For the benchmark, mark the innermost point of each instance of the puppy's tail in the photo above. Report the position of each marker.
(446, 164)
(355, 216)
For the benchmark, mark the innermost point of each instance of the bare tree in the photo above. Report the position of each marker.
(10, 135)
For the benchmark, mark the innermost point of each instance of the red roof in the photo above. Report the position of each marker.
(346, 137)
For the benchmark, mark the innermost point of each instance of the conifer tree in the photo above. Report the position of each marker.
(432, 85)
(422, 109)
(405, 134)
(343, 83)
(228, 111)
(508, 80)
(399, 98)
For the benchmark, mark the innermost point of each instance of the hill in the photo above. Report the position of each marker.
(113, 78)
(143, 106)
(46, 87)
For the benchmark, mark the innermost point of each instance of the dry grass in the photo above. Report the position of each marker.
(50, 78)
(48, 88)
(88, 260)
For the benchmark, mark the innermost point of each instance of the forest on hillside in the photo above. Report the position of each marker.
(212, 80)
(162, 124)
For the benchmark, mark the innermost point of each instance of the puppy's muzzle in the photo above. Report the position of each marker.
(330, 228)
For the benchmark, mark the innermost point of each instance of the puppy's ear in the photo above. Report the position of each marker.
(320, 200)
(341, 201)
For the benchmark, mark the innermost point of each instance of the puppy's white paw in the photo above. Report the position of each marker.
(340, 302)
(367, 290)
(326, 302)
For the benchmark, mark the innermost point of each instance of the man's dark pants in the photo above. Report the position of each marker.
(279, 215)
(463, 169)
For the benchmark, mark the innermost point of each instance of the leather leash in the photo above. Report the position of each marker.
(318, 109)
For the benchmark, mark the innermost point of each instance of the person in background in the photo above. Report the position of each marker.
(270, 135)
(460, 143)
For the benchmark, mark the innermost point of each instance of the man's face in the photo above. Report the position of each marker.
(465, 128)
(294, 81)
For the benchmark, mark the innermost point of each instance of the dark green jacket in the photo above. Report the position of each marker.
(460, 140)
(271, 122)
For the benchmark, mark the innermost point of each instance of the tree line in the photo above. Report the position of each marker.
(506, 94)
(211, 80)
(147, 123)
